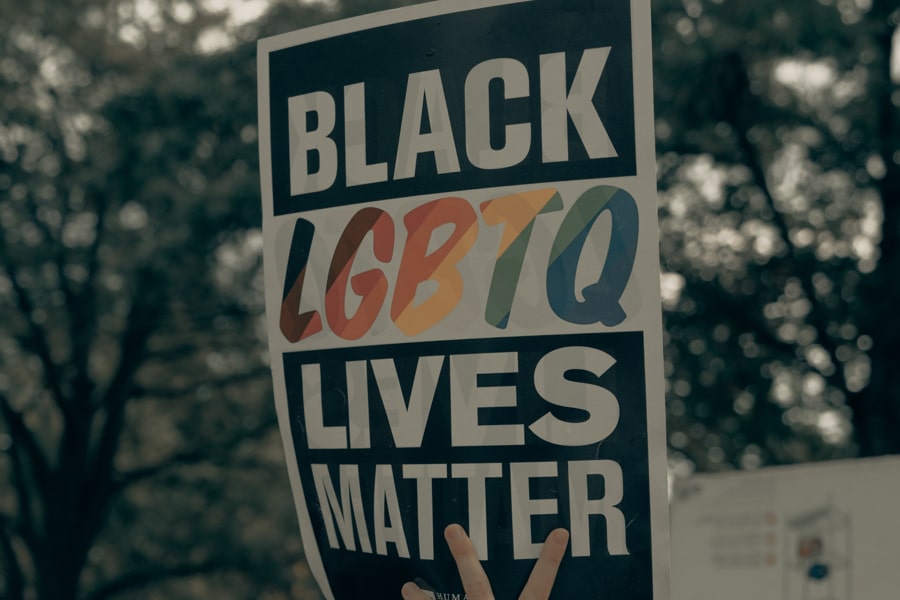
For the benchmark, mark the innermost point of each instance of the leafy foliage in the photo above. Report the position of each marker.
(138, 426)
(778, 176)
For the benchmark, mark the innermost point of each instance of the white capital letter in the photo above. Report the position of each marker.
(523, 505)
(424, 475)
(477, 474)
(318, 436)
(600, 404)
(302, 141)
(425, 94)
(466, 399)
(358, 404)
(385, 498)
(408, 421)
(478, 114)
(358, 171)
(557, 104)
(581, 507)
(345, 511)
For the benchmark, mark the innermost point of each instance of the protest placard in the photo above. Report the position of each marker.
(462, 289)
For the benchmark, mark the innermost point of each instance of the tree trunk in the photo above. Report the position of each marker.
(876, 409)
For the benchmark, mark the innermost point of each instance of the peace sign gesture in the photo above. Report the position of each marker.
(475, 580)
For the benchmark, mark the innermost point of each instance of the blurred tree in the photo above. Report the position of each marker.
(137, 435)
(779, 175)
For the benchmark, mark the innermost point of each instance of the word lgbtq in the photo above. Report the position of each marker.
(315, 155)
(422, 262)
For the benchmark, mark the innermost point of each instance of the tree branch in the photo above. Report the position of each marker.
(14, 580)
(22, 435)
(28, 525)
(742, 118)
(740, 313)
(212, 453)
(96, 489)
(25, 452)
(876, 408)
(82, 319)
(128, 478)
(142, 322)
(170, 393)
(141, 579)
(37, 337)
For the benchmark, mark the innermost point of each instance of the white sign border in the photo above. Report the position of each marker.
(645, 155)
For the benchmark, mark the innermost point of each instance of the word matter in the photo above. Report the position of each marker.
(344, 514)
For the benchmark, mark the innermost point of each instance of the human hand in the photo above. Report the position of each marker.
(475, 580)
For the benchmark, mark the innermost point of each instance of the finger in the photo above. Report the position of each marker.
(542, 577)
(474, 579)
(411, 591)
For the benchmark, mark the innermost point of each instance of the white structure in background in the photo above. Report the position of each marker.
(825, 531)
(817, 550)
